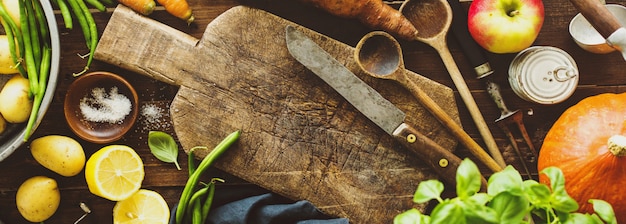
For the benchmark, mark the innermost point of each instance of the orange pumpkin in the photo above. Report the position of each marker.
(587, 143)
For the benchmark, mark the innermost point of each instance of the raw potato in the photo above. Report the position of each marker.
(61, 154)
(15, 104)
(7, 66)
(3, 124)
(38, 198)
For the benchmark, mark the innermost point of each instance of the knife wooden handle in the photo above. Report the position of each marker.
(474, 53)
(442, 161)
(598, 16)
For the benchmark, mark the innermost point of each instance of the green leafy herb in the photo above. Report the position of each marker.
(509, 199)
(163, 147)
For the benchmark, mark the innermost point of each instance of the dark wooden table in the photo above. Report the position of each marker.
(598, 74)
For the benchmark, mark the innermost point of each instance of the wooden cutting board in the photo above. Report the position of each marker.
(299, 137)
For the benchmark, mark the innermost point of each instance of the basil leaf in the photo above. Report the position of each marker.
(604, 210)
(467, 179)
(428, 190)
(163, 147)
(411, 216)
(563, 202)
(476, 213)
(579, 218)
(508, 180)
(557, 180)
(538, 194)
(510, 207)
(448, 212)
(480, 198)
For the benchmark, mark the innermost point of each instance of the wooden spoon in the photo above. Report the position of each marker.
(380, 56)
(433, 18)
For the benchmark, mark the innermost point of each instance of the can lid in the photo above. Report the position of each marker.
(546, 75)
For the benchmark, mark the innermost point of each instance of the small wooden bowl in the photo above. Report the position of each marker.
(94, 130)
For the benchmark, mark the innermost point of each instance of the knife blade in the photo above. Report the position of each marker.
(371, 104)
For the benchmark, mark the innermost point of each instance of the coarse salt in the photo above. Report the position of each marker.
(100, 106)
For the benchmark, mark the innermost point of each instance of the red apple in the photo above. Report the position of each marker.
(505, 26)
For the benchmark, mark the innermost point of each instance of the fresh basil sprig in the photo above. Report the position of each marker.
(509, 199)
(163, 147)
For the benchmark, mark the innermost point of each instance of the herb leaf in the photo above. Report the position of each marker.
(450, 211)
(467, 179)
(411, 216)
(428, 190)
(510, 207)
(604, 210)
(163, 147)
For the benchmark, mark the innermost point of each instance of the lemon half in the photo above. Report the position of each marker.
(143, 207)
(114, 172)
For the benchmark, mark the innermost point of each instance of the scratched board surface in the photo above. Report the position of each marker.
(299, 137)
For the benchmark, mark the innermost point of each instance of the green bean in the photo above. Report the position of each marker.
(34, 36)
(13, 33)
(196, 212)
(65, 12)
(191, 159)
(193, 179)
(97, 4)
(42, 22)
(31, 68)
(209, 199)
(43, 80)
(108, 2)
(93, 33)
(80, 17)
(13, 49)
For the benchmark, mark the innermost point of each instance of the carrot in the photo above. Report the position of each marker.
(178, 8)
(373, 13)
(145, 7)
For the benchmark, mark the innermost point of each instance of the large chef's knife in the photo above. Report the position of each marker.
(369, 102)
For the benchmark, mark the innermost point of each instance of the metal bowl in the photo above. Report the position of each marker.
(587, 37)
(13, 137)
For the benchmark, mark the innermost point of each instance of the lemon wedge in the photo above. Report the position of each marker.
(114, 172)
(143, 207)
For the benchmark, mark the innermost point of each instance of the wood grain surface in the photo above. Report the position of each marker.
(300, 138)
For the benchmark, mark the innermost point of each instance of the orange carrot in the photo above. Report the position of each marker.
(178, 8)
(373, 13)
(144, 7)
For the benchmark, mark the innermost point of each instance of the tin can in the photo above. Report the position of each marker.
(543, 74)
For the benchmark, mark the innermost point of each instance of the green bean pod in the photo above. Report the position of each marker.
(13, 33)
(13, 49)
(43, 81)
(196, 210)
(206, 207)
(80, 17)
(191, 159)
(35, 44)
(65, 12)
(193, 179)
(97, 4)
(31, 68)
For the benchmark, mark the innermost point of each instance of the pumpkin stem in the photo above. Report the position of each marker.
(617, 145)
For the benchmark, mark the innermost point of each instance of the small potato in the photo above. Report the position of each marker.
(61, 154)
(7, 66)
(38, 198)
(15, 105)
(3, 124)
